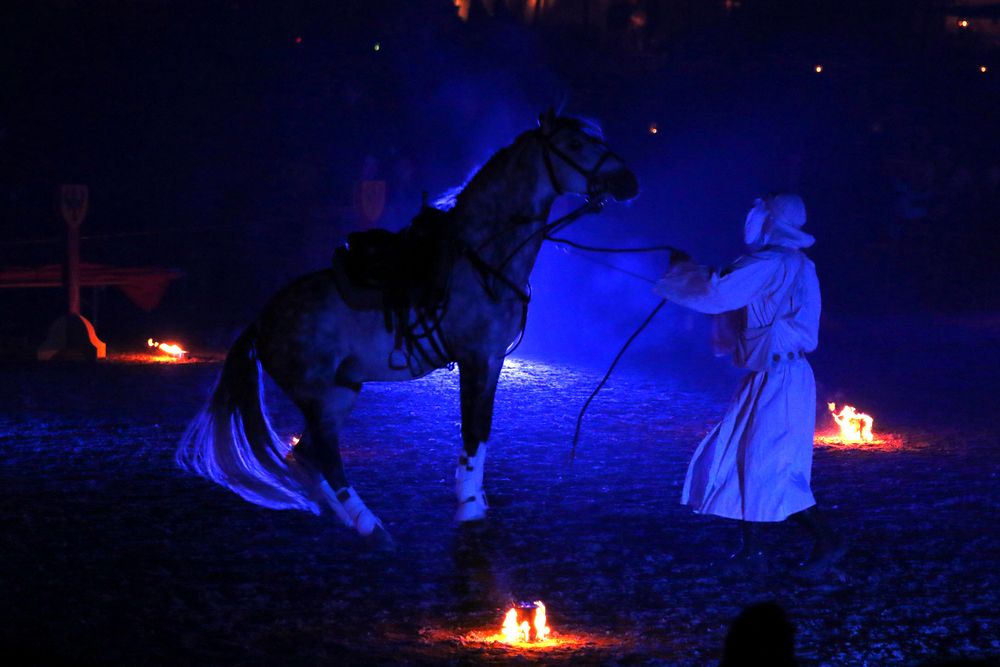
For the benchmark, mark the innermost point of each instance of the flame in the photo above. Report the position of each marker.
(510, 631)
(856, 430)
(172, 349)
(518, 633)
(541, 625)
(855, 427)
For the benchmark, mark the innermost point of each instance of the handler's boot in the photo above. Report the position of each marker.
(750, 557)
(828, 547)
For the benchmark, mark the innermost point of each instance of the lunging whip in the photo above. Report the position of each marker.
(635, 334)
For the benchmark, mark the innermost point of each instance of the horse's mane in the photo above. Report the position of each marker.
(488, 179)
(486, 172)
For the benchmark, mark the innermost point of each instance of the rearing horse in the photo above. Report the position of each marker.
(319, 350)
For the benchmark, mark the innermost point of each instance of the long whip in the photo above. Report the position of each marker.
(559, 225)
(635, 334)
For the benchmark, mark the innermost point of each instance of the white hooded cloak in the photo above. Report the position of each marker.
(756, 463)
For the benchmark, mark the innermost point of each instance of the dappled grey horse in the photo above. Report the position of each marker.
(320, 350)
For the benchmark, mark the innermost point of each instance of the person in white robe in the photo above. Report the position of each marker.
(755, 465)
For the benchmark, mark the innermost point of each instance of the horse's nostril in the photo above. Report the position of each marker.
(623, 185)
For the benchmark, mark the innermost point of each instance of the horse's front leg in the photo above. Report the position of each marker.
(478, 380)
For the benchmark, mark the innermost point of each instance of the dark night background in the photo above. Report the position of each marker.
(226, 140)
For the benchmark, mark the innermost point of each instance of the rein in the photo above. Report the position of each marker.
(594, 203)
(429, 330)
(487, 271)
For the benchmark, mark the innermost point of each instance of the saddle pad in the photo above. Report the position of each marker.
(355, 296)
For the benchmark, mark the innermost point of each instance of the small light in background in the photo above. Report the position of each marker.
(963, 23)
(378, 46)
(298, 40)
(653, 128)
(983, 69)
(818, 69)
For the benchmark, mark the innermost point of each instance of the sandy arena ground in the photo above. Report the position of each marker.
(111, 555)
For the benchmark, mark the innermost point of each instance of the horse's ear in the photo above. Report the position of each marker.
(546, 120)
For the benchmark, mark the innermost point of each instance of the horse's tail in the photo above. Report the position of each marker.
(231, 441)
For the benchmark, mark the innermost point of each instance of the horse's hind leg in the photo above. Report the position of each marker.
(321, 449)
(478, 380)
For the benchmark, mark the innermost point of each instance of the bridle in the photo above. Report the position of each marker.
(430, 330)
(549, 149)
(594, 203)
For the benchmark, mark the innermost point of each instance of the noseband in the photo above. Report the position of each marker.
(549, 149)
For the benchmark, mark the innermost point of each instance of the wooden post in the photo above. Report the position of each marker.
(72, 336)
(71, 271)
(73, 200)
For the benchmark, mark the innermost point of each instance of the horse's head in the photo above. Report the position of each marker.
(579, 162)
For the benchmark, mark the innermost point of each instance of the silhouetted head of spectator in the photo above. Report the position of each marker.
(760, 635)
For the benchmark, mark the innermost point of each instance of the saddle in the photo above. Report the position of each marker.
(399, 273)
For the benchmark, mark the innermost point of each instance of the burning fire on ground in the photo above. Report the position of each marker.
(854, 429)
(158, 352)
(170, 350)
(525, 629)
(525, 623)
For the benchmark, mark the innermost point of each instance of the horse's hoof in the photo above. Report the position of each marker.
(380, 539)
(472, 510)
(367, 523)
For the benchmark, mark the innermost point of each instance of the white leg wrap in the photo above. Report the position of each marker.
(472, 503)
(350, 509)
